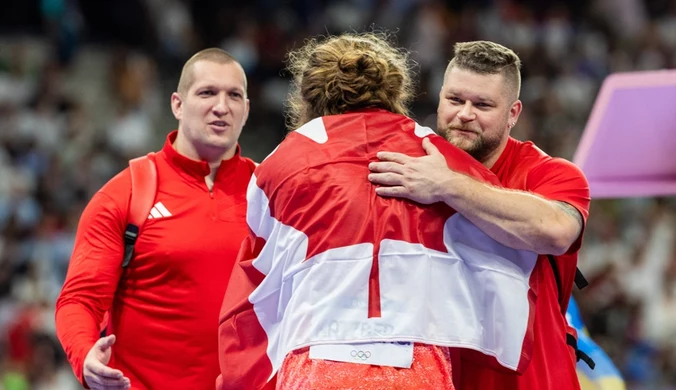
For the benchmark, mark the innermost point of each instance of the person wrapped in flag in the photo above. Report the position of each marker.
(337, 287)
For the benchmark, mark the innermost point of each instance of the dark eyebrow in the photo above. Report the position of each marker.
(479, 99)
(485, 100)
(215, 87)
(203, 87)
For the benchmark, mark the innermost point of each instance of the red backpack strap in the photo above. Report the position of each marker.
(143, 190)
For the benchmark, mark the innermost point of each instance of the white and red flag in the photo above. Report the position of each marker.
(328, 261)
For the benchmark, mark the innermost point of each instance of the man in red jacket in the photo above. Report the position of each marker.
(162, 328)
(543, 208)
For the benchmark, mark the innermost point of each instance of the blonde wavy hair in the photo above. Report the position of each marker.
(338, 74)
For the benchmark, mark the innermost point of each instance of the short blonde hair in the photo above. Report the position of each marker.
(212, 54)
(485, 57)
(338, 74)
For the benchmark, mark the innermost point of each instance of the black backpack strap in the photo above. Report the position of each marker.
(130, 236)
(557, 276)
(581, 282)
(579, 354)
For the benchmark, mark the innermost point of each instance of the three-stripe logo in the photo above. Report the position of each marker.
(159, 211)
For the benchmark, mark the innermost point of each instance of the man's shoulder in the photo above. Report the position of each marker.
(527, 151)
(117, 189)
(111, 200)
(528, 156)
(249, 164)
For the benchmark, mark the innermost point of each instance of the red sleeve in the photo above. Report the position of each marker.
(93, 274)
(561, 180)
(242, 341)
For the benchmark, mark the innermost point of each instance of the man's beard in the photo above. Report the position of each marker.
(480, 148)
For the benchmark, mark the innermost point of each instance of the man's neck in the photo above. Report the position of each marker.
(212, 156)
(211, 177)
(209, 180)
(213, 161)
(495, 156)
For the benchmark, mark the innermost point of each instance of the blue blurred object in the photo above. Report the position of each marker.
(605, 376)
(640, 365)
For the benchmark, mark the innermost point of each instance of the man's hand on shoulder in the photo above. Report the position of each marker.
(420, 179)
(96, 373)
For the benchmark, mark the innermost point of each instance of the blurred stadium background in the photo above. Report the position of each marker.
(85, 85)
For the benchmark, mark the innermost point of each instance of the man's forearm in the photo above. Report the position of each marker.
(517, 219)
(77, 332)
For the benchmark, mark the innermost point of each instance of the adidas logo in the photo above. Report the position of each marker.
(159, 211)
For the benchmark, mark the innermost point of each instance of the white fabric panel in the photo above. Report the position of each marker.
(314, 130)
(422, 131)
(474, 296)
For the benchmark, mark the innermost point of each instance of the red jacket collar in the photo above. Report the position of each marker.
(196, 168)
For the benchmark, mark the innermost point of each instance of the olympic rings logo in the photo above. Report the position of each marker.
(361, 355)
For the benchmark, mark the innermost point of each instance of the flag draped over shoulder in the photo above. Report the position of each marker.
(328, 261)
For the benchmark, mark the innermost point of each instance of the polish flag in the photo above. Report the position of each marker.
(328, 261)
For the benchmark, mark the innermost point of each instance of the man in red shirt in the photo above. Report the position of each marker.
(162, 328)
(543, 208)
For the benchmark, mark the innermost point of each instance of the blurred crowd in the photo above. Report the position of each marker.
(85, 85)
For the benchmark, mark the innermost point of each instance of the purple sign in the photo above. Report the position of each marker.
(628, 148)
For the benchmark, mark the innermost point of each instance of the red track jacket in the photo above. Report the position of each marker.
(164, 306)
